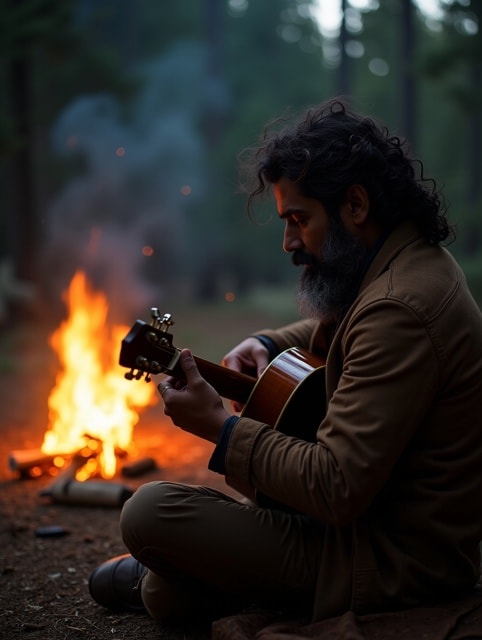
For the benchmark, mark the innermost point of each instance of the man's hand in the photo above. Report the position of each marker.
(193, 405)
(250, 357)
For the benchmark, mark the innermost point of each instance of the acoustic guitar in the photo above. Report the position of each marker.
(289, 395)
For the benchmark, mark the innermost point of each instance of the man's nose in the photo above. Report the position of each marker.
(291, 239)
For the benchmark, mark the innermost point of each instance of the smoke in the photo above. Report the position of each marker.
(122, 219)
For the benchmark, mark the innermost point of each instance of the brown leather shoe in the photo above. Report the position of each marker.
(115, 584)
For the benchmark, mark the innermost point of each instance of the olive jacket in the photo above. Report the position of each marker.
(395, 473)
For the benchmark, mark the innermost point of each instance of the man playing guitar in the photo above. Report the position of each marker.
(379, 510)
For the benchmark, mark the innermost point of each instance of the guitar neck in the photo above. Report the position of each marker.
(147, 349)
(228, 383)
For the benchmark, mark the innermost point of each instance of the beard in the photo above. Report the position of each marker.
(330, 280)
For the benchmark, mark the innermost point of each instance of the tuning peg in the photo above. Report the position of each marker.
(155, 316)
(129, 375)
(167, 321)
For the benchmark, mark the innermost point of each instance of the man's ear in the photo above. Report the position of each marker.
(356, 206)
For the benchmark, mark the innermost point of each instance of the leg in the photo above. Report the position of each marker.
(201, 545)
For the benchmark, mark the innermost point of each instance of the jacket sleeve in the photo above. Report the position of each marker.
(382, 396)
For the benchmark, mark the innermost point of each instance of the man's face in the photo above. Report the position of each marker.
(332, 258)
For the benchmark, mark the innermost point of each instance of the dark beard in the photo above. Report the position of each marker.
(330, 281)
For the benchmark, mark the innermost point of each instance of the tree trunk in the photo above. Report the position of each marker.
(343, 76)
(23, 219)
(408, 91)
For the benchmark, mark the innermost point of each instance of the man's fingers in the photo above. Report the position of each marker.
(189, 366)
(250, 357)
(191, 372)
(163, 388)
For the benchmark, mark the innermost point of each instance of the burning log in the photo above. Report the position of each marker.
(32, 463)
(100, 493)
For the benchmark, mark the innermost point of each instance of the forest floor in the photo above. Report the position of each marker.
(44, 580)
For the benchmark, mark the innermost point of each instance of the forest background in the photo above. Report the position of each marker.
(121, 123)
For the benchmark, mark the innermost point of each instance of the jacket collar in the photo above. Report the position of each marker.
(402, 236)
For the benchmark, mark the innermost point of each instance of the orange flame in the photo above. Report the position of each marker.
(92, 405)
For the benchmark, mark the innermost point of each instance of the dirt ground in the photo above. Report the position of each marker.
(43, 581)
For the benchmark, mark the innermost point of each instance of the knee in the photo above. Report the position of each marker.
(141, 514)
(136, 514)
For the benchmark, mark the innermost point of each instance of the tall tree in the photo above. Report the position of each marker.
(344, 85)
(408, 84)
(455, 59)
(26, 26)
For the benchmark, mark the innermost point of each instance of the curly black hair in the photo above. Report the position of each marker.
(331, 148)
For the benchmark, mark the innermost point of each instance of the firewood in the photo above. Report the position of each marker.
(32, 463)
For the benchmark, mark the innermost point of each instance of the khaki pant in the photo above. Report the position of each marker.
(207, 553)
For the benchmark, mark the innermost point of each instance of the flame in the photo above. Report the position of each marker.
(92, 406)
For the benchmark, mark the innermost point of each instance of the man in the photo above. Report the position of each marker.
(382, 511)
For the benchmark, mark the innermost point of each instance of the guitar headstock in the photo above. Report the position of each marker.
(147, 349)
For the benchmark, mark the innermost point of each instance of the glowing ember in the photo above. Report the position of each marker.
(91, 407)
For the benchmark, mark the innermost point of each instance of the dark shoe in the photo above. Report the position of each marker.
(115, 584)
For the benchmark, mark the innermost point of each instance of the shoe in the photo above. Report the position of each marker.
(115, 584)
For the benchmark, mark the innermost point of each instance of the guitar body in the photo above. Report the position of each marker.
(290, 397)
(290, 394)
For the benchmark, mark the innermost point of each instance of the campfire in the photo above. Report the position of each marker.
(92, 407)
